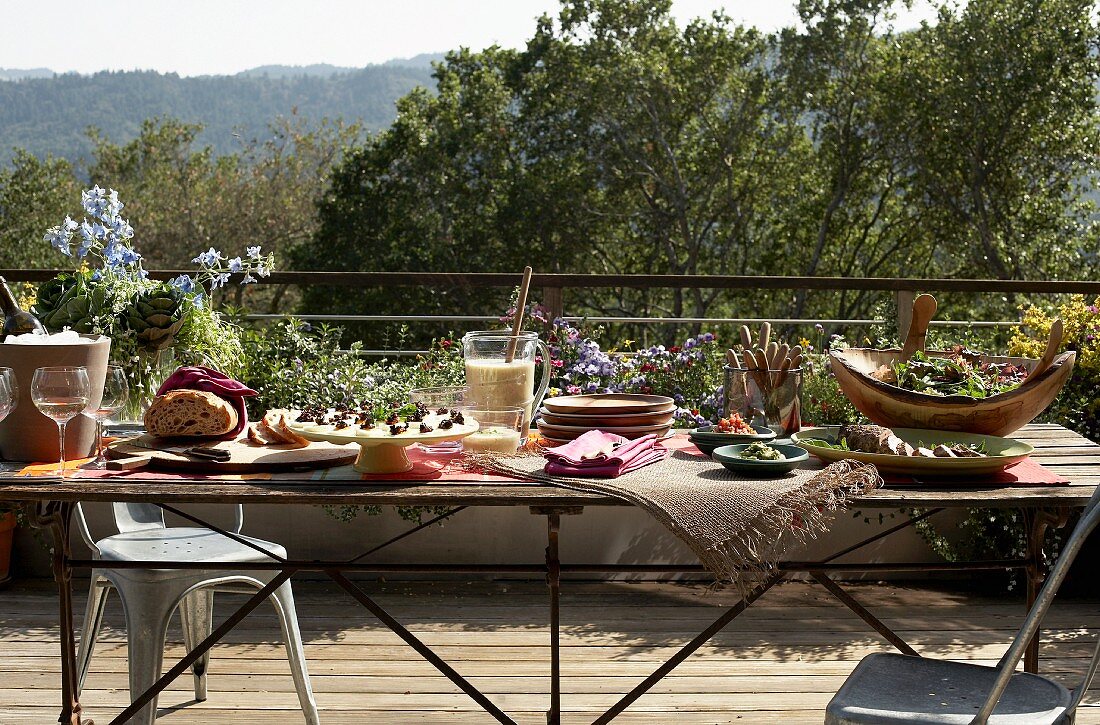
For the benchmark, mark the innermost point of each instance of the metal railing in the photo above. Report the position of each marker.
(553, 286)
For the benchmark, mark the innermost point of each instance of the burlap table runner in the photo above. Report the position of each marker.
(736, 525)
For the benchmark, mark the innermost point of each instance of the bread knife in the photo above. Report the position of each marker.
(131, 463)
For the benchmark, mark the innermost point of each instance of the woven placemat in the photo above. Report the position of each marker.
(736, 525)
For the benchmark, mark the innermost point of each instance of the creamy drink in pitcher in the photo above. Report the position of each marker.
(501, 370)
(497, 384)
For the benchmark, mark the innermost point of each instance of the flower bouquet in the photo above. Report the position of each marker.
(153, 325)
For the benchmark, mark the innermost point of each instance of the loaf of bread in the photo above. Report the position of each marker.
(190, 413)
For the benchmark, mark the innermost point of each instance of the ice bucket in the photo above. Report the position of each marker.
(26, 434)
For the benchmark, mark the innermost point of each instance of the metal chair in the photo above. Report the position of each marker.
(151, 596)
(893, 688)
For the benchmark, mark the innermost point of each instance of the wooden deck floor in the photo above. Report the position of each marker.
(779, 662)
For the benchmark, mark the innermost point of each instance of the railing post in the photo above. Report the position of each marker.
(553, 300)
(904, 299)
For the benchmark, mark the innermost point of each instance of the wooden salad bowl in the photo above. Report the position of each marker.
(997, 415)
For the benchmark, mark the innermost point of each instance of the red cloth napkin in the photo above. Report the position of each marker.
(200, 378)
(1025, 473)
(603, 455)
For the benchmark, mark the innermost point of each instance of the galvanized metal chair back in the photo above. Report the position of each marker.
(1007, 665)
(131, 517)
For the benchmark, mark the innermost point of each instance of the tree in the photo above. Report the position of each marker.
(183, 200)
(996, 115)
(35, 194)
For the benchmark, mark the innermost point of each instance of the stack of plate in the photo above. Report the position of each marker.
(631, 416)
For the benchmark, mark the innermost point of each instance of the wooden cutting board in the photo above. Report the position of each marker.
(245, 457)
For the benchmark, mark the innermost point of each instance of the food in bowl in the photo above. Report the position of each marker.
(761, 452)
(733, 424)
(960, 371)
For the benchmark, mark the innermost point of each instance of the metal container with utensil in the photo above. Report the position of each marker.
(772, 398)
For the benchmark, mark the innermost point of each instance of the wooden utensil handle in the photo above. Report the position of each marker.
(924, 307)
(128, 464)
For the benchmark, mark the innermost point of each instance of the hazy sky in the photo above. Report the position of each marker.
(196, 37)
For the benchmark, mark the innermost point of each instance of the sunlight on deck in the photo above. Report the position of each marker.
(779, 662)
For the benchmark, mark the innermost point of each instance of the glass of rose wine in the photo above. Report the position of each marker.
(115, 393)
(61, 394)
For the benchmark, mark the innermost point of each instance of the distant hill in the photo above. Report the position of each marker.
(49, 115)
(15, 74)
(323, 70)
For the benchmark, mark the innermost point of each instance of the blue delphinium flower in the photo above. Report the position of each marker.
(208, 258)
(235, 265)
(183, 283)
(253, 252)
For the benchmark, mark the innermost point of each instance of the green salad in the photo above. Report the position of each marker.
(960, 372)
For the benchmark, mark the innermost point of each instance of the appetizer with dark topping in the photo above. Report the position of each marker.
(425, 428)
(446, 424)
(456, 416)
(392, 418)
(396, 429)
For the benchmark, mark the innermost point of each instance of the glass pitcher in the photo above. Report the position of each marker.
(495, 383)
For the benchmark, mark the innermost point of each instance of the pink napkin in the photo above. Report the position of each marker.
(605, 455)
(212, 381)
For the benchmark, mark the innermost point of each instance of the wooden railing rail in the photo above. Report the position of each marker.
(553, 285)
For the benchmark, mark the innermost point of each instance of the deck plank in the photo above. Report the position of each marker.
(781, 662)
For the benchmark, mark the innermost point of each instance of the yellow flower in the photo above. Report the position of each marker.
(804, 343)
(553, 392)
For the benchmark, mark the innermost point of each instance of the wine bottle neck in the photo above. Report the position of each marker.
(7, 299)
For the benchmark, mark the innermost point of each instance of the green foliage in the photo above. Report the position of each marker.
(1078, 405)
(619, 142)
(823, 402)
(292, 364)
(33, 195)
(50, 115)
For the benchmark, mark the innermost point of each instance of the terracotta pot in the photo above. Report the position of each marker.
(26, 434)
(7, 530)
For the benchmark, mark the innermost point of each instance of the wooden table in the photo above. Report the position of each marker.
(50, 503)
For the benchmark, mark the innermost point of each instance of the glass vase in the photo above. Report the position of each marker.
(145, 373)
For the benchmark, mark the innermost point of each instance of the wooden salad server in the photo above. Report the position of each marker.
(924, 307)
(1047, 359)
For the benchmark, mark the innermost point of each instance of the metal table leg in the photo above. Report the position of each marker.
(1037, 523)
(57, 517)
(553, 581)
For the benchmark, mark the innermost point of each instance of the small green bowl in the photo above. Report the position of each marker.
(707, 440)
(730, 457)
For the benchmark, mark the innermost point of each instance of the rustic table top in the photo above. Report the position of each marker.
(1064, 452)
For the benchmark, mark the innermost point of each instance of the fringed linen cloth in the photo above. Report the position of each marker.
(736, 525)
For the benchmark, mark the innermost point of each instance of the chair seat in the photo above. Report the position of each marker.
(180, 543)
(893, 688)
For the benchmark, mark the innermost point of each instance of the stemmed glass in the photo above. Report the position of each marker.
(9, 396)
(115, 393)
(61, 393)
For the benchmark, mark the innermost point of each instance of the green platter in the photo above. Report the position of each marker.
(1001, 452)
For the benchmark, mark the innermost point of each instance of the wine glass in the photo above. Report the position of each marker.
(61, 393)
(115, 393)
(9, 397)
